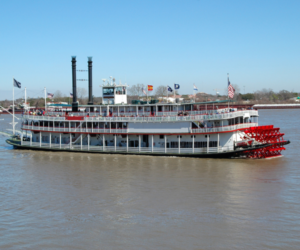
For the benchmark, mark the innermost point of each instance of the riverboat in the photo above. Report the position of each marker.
(148, 128)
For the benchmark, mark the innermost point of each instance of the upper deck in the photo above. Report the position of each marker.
(141, 117)
(159, 112)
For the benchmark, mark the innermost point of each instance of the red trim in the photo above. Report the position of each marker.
(74, 118)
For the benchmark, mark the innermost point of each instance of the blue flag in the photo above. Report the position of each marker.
(17, 84)
(170, 89)
(176, 86)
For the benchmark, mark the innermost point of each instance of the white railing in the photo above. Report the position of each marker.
(150, 119)
(173, 118)
(130, 149)
(83, 130)
(43, 118)
(225, 128)
(134, 112)
(124, 130)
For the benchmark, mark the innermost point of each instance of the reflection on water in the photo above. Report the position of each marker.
(89, 201)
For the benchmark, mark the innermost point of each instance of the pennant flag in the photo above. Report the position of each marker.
(17, 84)
(150, 87)
(231, 90)
(176, 86)
(170, 89)
(71, 95)
(144, 91)
(49, 95)
(195, 88)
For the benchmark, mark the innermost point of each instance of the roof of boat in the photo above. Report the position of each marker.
(152, 104)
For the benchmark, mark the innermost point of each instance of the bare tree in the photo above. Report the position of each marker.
(136, 89)
(285, 95)
(82, 95)
(161, 91)
(58, 94)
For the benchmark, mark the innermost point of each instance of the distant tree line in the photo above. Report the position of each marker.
(136, 92)
(268, 95)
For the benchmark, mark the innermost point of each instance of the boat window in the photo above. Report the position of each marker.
(120, 90)
(108, 91)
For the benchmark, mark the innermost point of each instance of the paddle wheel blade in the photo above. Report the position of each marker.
(265, 135)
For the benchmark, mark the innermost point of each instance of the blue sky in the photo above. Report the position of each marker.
(151, 42)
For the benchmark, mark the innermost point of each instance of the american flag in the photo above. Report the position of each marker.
(49, 95)
(231, 90)
(71, 95)
(143, 90)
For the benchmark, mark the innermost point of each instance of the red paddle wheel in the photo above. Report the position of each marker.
(265, 135)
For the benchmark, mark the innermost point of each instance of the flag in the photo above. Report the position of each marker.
(150, 87)
(170, 89)
(71, 95)
(195, 88)
(17, 84)
(231, 90)
(176, 86)
(144, 91)
(49, 95)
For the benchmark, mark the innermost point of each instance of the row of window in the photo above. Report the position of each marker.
(163, 137)
(198, 144)
(110, 91)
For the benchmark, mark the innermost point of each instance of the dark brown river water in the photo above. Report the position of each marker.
(87, 201)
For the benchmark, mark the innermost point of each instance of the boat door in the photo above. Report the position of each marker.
(146, 140)
(153, 110)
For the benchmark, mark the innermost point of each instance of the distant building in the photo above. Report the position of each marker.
(295, 99)
(170, 99)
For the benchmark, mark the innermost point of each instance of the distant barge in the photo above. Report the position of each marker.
(277, 106)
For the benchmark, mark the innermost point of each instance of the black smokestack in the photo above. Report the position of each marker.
(90, 66)
(74, 104)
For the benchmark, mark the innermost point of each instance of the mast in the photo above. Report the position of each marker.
(13, 107)
(25, 98)
(45, 99)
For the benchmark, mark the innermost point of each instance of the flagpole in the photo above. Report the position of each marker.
(167, 93)
(227, 90)
(25, 107)
(174, 93)
(25, 99)
(194, 94)
(13, 108)
(45, 100)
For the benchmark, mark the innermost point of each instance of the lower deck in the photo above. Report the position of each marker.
(199, 153)
(172, 143)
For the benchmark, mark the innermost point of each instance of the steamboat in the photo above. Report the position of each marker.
(148, 128)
